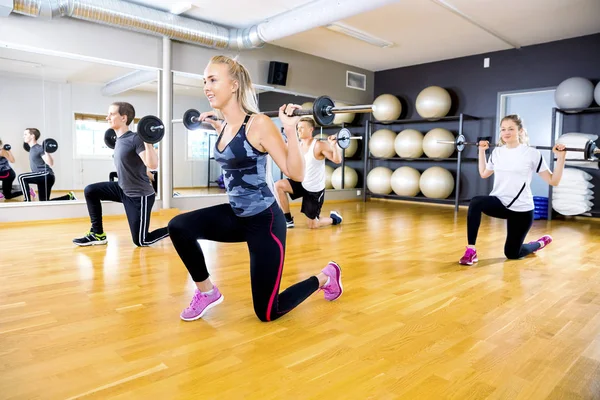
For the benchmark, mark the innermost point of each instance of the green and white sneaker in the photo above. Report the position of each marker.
(91, 239)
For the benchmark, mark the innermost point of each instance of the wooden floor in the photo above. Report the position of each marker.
(103, 322)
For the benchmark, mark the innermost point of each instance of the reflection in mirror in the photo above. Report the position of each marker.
(67, 100)
(195, 172)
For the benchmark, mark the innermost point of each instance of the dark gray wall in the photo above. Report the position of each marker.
(475, 90)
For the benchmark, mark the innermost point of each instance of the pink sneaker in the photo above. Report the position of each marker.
(1, 196)
(32, 193)
(469, 258)
(200, 303)
(546, 239)
(333, 290)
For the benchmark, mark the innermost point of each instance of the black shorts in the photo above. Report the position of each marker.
(311, 201)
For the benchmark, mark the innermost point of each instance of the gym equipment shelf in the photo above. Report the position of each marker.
(566, 112)
(369, 160)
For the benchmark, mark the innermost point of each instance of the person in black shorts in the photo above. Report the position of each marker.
(312, 188)
(132, 156)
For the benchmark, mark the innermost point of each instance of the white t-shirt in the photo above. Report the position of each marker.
(513, 171)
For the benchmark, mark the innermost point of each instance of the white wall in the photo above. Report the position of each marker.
(49, 106)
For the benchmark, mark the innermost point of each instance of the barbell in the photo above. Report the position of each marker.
(590, 150)
(150, 129)
(49, 145)
(323, 111)
(343, 138)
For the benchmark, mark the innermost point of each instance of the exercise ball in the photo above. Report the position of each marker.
(308, 106)
(574, 93)
(436, 183)
(433, 102)
(386, 108)
(328, 173)
(350, 178)
(345, 118)
(381, 143)
(351, 150)
(409, 143)
(433, 149)
(379, 180)
(597, 94)
(405, 181)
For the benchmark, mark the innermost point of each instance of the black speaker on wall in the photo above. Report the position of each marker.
(277, 73)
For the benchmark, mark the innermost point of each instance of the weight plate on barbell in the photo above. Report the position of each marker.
(50, 145)
(460, 140)
(190, 119)
(343, 138)
(150, 129)
(320, 107)
(110, 138)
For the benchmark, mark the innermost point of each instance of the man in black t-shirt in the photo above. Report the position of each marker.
(131, 156)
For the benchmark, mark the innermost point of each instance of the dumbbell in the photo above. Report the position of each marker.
(49, 145)
(7, 147)
(150, 129)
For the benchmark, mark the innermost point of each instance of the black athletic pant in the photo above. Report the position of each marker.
(7, 178)
(517, 224)
(138, 211)
(44, 182)
(265, 234)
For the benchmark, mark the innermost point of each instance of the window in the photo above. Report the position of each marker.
(89, 136)
(200, 144)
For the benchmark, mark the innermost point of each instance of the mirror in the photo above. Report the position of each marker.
(195, 172)
(67, 100)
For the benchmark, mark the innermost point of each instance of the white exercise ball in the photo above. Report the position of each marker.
(405, 181)
(350, 178)
(386, 107)
(575, 93)
(433, 149)
(597, 94)
(436, 183)
(346, 118)
(379, 180)
(328, 174)
(409, 143)
(381, 143)
(433, 102)
(351, 150)
(308, 106)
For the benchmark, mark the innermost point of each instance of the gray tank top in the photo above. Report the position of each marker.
(244, 174)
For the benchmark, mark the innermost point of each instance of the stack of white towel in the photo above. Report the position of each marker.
(574, 194)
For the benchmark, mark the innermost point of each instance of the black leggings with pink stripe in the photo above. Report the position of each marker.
(265, 234)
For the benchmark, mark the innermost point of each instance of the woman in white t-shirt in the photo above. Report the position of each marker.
(514, 163)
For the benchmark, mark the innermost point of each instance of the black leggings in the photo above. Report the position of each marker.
(265, 234)
(7, 178)
(44, 182)
(137, 209)
(517, 224)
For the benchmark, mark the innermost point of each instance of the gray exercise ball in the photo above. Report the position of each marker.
(575, 93)
(433, 149)
(328, 174)
(433, 102)
(350, 178)
(597, 94)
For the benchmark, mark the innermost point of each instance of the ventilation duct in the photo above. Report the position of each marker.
(124, 15)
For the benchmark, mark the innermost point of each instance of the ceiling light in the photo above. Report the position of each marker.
(180, 7)
(358, 34)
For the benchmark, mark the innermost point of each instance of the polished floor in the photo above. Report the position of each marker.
(103, 322)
